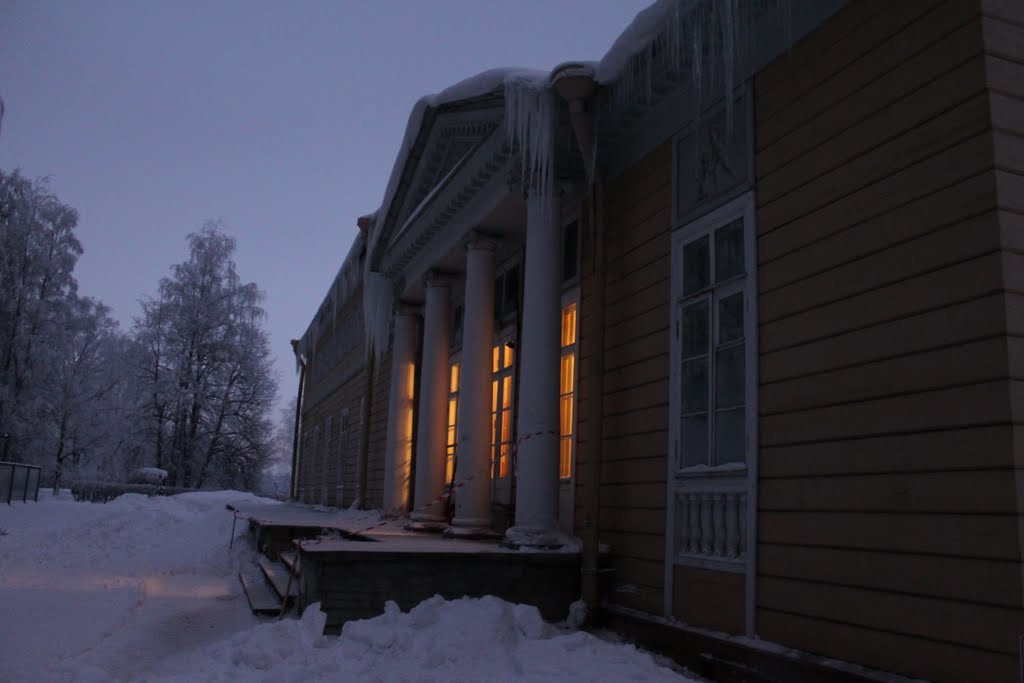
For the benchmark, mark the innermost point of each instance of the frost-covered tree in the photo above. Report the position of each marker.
(205, 369)
(38, 252)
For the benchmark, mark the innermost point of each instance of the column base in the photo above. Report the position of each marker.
(471, 528)
(541, 539)
(426, 522)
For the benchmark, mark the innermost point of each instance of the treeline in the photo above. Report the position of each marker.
(189, 388)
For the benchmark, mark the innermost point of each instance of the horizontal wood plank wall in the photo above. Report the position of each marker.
(635, 403)
(378, 432)
(337, 382)
(890, 357)
(1003, 32)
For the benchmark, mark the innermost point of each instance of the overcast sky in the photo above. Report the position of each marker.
(281, 118)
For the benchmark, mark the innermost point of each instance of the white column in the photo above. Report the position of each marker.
(537, 427)
(432, 425)
(473, 501)
(398, 448)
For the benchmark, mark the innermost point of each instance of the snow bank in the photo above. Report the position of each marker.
(470, 639)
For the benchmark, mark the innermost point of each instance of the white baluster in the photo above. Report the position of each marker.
(732, 530)
(706, 539)
(693, 501)
(719, 519)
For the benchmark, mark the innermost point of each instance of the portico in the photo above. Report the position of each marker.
(476, 242)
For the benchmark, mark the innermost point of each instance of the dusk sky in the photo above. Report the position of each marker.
(281, 118)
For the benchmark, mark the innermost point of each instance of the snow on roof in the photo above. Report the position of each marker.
(638, 36)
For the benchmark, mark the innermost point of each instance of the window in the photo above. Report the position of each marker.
(570, 251)
(453, 410)
(506, 294)
(567, 392)
(501, 409)
(342, 456)
(714, 289)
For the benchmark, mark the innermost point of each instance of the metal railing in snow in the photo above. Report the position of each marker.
(19, 481)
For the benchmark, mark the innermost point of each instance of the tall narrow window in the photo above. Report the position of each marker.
(453, 410)
(712, 339)
(567, 392)
(501, 409)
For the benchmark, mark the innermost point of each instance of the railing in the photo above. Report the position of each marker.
(19, 481)
(711, 522)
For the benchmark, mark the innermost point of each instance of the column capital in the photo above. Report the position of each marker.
(405, 308)
(477, 240)
(438, 278)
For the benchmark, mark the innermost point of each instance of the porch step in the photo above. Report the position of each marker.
(278, 575)
(262, 600)
(290, 559)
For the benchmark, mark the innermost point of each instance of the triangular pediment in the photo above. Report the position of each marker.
(451, 138)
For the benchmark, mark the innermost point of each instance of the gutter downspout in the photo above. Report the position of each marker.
(293, 488)
(575, 84)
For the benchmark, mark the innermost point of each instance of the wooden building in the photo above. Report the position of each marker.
(760, 266)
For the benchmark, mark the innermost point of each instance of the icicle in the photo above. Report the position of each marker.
(530, 110)
(378, 299)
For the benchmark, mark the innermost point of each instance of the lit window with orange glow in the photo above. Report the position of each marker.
(567, 392)
(501, 409)
(453, 409)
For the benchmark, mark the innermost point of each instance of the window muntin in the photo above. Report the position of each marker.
(567, 392)
(501, 409)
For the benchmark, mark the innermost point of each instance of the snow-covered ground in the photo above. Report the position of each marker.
(147, 589)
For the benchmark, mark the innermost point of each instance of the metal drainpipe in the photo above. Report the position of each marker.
(575, 84)
(293, 488)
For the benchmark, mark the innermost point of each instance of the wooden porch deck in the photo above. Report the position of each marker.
(352, 575)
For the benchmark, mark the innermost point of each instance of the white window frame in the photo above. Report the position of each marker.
(738, 477)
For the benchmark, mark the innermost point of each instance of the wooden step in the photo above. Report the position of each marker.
(262, 600)
(278, 576)
(290, 558)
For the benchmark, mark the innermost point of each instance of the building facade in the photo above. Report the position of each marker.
(738, 305)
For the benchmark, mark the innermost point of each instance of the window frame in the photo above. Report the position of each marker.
(741, 207)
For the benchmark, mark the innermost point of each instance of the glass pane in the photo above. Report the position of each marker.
(454, 384)
(696, 265)
(569, 325)
(570, 250)
(568, 374)
(451, 437)
(496, 359)
(695, 329)
(695, 385)
(511, 302)
(494, 395)
(503, 467)
(508, 356)
(452, 411)
(730, 380)
(694, 441)
(730, 436)
(729, 250)
(494, 427)
(506, 425)
(565, 416)
(565, 457)
(506, 391)
(730, 318)
(449, 465)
